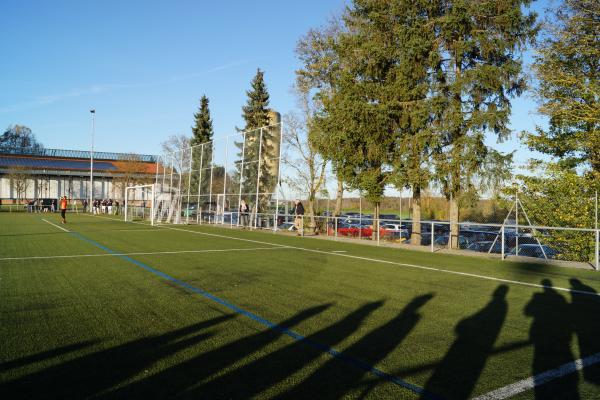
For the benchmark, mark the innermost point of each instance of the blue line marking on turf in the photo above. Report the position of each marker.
(294, 335)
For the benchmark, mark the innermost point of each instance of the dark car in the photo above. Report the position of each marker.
(484, 247)
(535, 250)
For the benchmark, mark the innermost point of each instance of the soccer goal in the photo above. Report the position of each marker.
(140, 203)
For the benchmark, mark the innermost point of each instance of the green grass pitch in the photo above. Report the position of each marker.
(121, 310)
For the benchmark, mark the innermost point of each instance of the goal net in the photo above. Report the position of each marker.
(206, 183)
(140, 203)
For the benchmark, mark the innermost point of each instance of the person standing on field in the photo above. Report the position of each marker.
(63, 209)
(299, 217)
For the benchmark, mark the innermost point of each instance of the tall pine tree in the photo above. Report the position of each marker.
(258, 146)
(202, 135)
(477, 70)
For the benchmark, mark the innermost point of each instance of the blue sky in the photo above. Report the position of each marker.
(143, 65)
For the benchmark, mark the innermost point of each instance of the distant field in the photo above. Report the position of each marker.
(105, 309)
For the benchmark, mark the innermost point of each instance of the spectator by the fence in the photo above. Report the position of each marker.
(84, 203)
(244, 209)
(298, 212)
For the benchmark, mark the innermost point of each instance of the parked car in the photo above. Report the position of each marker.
(286, 226)
(484, 247)
(535, 250)
(463, 242)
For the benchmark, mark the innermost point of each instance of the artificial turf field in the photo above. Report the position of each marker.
(121, 310)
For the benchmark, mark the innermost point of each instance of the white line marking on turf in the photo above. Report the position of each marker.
(59, 227)
(540, 379)
(140, 253)
(374, 260)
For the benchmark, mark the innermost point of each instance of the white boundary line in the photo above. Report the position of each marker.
(540, 379)
(139, 253)
(373, 260)
(54, 225)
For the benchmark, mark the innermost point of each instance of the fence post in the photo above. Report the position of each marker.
(597, 249)
(432, 236)
(378, 226)
(502, 243)
(336, 226)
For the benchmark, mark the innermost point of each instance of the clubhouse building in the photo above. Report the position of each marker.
(52, 173)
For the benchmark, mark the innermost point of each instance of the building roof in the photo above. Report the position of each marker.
(48, 163)
(81, 154)
(73, 160)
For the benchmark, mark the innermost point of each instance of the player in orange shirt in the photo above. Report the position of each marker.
(63, 208)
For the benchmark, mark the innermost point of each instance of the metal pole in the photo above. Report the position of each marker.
(198, 208)
(241, 177)
(277, 185)
(517, 223)
(152, 205)
(359, 215)
(126, 202)
(502, 242)
(597, 249)
(187, 208)
(432, 236)
(212, 163)
(258, 177)
(93, 112)
(225, 180)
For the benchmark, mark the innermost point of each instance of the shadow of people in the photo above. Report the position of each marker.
(334, 379)
(458, 372)
(93, 373)
(176, 379)
(584, 310)
(550, 333)
(261, 374)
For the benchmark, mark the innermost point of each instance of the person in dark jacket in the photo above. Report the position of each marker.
(298, 212)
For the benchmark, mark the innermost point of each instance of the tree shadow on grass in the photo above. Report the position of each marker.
(458, 372)
(93, 373)
(333, 381)
(585, 312)
(261, 374)
(551, 333)
(177, 379)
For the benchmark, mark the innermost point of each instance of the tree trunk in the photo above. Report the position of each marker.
(311, 213)
(375, 230)
(415, 238)
(339, 197)
(453, 242)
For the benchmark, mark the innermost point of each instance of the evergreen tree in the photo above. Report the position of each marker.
(258, 145)
(567, 66)
(476, 71)
(202, 135)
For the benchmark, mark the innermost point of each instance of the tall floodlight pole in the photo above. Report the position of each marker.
(93, 112)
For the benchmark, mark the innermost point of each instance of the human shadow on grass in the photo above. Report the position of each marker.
(253, 378)
(551, 332)
(176, 379)
(46, 355)
(91, 374)
(585, 311)
(334, 378)
(458, 372)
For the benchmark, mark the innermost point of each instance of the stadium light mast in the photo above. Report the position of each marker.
(93, 112)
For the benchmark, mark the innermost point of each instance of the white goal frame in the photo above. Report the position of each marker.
(152, 195)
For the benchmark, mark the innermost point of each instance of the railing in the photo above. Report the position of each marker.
(503, 240)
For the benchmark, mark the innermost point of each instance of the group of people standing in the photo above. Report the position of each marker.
(104, 206)
(297, 211)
